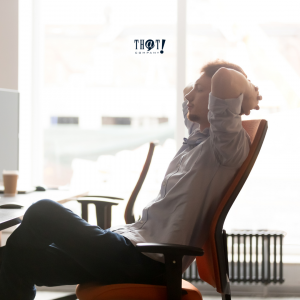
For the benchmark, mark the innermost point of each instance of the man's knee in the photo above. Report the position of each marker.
(40, 210)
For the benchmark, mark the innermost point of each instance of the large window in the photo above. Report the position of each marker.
(102, 93)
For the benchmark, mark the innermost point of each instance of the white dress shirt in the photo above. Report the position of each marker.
(195, 181)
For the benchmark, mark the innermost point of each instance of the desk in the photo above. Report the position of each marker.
(11, 217)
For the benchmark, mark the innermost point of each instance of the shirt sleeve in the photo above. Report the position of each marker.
(191, 126)
(230, 141)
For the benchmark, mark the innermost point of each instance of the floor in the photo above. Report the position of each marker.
(41, 295)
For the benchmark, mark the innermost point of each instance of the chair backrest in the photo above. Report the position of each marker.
(129, 215)
(213, 265)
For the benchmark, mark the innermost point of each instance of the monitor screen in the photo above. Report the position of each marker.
(9, 130)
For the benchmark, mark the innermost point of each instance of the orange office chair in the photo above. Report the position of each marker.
(212, 266)
(103, 207)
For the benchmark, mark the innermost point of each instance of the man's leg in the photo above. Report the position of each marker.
(106, 256)
(23, 269)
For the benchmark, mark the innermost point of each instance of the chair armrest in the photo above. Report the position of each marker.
(94, 200)
(173, 263)
(99, 196)
(103, 209)
(169, 249)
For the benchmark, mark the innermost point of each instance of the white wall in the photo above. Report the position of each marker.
(9, 44)
(25, 89)
(17, 27)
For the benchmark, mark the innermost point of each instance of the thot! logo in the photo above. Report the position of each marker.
(149, 44)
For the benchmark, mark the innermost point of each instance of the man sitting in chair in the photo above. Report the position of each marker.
(53, 246)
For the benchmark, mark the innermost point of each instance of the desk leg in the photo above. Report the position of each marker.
(0, 238)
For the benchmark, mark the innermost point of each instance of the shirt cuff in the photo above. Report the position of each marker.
(234, 104)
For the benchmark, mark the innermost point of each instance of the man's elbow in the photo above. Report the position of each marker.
(222, 74)
(224, 84)
(220, 82)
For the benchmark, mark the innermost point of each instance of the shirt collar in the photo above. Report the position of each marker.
(196, 137)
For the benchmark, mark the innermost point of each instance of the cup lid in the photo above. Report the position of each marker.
(10, 172)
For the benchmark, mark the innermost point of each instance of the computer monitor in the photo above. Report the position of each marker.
(9, 130)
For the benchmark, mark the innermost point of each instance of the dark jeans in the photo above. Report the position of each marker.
(53, 246)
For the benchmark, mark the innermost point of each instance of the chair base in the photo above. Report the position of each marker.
(132, 291)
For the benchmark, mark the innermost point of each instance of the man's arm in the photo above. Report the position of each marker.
(228, 84)
(231, 95)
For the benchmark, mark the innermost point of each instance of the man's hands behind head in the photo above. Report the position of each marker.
(251, 98)
(251, 93)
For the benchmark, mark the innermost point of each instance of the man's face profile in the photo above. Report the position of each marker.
(198, 101)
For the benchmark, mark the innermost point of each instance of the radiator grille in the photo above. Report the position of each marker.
(253, 256)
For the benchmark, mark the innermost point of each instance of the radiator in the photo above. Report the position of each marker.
(253, 256)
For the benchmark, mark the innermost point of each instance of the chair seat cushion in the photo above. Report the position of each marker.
(132, 291)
